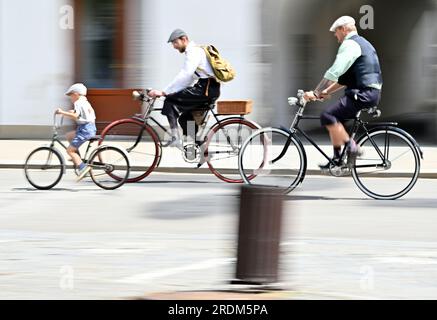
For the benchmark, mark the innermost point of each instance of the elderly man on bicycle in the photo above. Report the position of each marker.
(357, 69)
(180, 95)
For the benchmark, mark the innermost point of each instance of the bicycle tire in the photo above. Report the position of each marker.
(144, 158)
(104, 166)
(362, 177)
(258, 171)
(40, 155)
(229, 175)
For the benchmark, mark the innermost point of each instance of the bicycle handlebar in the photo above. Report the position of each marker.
(142, 96)
(55, 125)
(299, 100)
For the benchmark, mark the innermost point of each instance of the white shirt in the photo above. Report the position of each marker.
(195, 61)
(85, 111)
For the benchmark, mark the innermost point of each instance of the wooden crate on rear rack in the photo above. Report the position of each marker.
(234, 107)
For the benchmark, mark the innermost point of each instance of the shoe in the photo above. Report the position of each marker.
(328, 166)
(176, 143)
(353, 151)
(83, 173)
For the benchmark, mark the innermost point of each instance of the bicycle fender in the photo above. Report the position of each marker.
(416, 144)
(234, 118)
(399, 130)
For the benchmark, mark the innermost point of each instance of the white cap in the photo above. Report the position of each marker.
(344, 20)
(77, 88)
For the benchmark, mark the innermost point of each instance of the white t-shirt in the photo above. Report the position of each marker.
(85, 111)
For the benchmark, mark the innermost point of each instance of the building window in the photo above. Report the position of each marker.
(99, 43)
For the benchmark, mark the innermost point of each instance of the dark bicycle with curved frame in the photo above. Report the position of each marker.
(218, 146)
(45, 166)
(276, 156)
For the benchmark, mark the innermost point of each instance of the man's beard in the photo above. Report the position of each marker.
(182, 50)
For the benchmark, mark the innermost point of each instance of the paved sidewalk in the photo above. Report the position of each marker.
(14, 153)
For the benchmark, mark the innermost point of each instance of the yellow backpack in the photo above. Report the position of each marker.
(223, 70)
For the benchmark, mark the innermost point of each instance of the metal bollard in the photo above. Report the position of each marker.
(259, 236)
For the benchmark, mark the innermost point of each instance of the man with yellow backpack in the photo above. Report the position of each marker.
(197, 84)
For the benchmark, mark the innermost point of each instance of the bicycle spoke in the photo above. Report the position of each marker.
(223, 146)
(401, 155)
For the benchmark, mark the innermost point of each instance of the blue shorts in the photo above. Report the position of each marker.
(83, 133)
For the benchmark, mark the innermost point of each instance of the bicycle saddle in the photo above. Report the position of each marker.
(94, 139)
(205, 106)
(373, 111)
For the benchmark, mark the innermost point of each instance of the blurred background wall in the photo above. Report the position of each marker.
(277, 47)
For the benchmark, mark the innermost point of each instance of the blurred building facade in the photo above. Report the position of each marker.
(276, 46)
(403, 32)
(113, 44)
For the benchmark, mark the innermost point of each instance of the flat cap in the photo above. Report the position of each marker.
(176, 35)
(344, 20)
(77, 88)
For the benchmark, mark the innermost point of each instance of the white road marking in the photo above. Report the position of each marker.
(146, 277)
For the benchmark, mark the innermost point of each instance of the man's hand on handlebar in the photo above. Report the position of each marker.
(324, 95)
(156, 94)
(311, 96)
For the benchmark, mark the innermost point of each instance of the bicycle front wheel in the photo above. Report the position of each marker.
(223, 146)
(141, 143)
(44, 168)
(274, 158)
(109, 167)
(389, 166)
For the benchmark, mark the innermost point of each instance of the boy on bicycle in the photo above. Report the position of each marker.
(84, 115)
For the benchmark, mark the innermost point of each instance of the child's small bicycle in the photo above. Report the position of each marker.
(45, 166)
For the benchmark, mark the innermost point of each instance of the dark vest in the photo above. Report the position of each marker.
(365, 70)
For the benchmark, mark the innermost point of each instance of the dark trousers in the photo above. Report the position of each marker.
(348, 106)
(187, 100)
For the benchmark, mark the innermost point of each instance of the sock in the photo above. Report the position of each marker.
(82, 166)
(337, 152)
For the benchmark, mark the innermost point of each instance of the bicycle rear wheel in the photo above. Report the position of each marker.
(109, 167)
(44, 168)
(223, 146)
(141, 143)
(274, 158)
(390, 154)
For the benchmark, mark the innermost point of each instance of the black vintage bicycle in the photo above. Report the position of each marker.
(45, 166)
(276, 157)
(218, 146)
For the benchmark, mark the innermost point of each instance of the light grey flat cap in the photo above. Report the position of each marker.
(176, 35)
(341, 22)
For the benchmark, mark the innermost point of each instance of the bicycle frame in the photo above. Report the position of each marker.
(357, 125)
(148, 117)
(55, 140)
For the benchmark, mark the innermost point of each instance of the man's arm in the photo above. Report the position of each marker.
(348, 53)
(185, 77)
